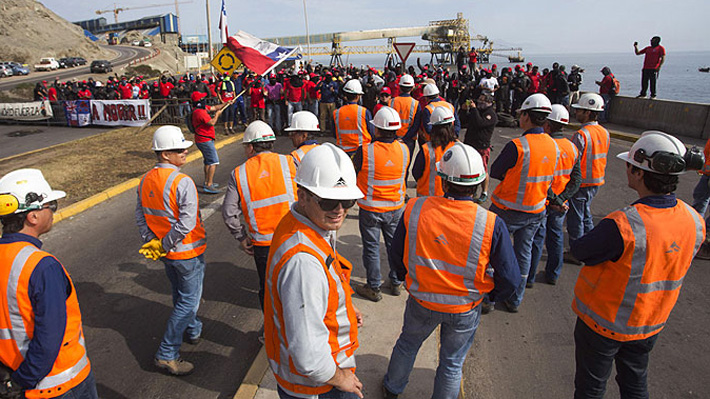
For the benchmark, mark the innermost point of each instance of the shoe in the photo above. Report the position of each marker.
(550, 280)
(510, 307)
(529, 284)
(567, 257)
(641, 96)
(487, 307)
(481, 199)
(396, 289)
(368, 292)
(210, 189)
(192, 340)
(386, 394)
(653, 97)
(704, 251)
(175, 367)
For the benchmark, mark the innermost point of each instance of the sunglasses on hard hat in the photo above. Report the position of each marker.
(328, 205)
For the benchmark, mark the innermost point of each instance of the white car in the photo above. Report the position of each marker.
(47, 64)
(5, 71)
(136, 43)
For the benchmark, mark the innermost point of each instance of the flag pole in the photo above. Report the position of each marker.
(209, 34)
(270, 69)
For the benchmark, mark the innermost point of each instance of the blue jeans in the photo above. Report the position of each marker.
(184, 109)
(293, 107)
(273, 116)
(701, 195)
(85, 390)
(604, 117)
(370, 225)
(522, 226)
(241, 110)
(186, 277)
(579, 217)
(334, 393)
(550, 232)
(457, 332)
(312, 107)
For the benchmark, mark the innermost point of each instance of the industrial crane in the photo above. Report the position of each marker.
(115, 10)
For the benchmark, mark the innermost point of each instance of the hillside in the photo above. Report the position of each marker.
(30, 31)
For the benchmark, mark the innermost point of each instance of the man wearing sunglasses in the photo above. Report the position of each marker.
(41, 336)
(636, 259)
(169, 221)
(310, 322)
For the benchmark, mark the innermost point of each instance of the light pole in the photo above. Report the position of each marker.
(308, 37)
(209, 33)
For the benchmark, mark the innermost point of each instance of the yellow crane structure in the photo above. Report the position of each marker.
(116, 9)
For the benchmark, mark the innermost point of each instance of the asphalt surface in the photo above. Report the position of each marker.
(19, 139)
(125, 302)
(124, 54)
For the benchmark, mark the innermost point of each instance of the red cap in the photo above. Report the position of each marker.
(44, 81)
(386, 90)
(530, 63)
(197, 96)
(495, 66)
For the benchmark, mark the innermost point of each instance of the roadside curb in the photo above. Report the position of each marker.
(256, 372)
(81, 206)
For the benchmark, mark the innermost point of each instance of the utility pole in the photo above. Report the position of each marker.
(209, 31)
(308, 37)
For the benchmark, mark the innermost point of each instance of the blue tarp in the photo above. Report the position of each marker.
(90, 36)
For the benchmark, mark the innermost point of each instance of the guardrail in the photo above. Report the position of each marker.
(142, 59)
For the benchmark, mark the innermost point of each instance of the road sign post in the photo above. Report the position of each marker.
(403, 51)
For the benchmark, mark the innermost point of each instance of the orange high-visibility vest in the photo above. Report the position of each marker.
(430, 107)
(158, 194)
(406, 107)
(596, 147)
(446, 262)
(292, 237)
(565, 163)
(525, 185)
(19, 260)
(706, 166)
(381, 179)
(266, 191)
(351, 127)
(429, 184)
(301, 152)
(631, 298)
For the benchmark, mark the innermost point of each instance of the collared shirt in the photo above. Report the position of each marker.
(502, 257)
(509, 156)
(604, 241)
(48, 291)
(188, 208)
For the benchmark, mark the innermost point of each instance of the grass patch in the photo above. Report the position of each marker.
(90, 165)
(142, 70)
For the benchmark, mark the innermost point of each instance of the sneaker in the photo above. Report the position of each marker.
(567, 257)
(551, 280)
(510, 307)
(192, 340)
(368, 292)
(653, 97)
(175, 367)
(703, 252)
(641, 96)
(487, 307)
(386, 394)
(396, 289)
(210, 189)
(481, 199)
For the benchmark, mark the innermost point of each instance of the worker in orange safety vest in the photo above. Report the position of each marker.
(169, 221)
(636, 259)
(434, 100)
(42, 348)
(353, 122)
(262, 190)
(410, 113)
(443, 136)
(310, 322)
(302, 124)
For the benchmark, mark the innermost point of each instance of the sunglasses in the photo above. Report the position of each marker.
(52, 206)
(328, 205)
(182, 151)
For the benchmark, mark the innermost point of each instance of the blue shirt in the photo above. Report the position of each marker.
(604, 242)
(506, 276)
(509, 156)
(48, 290)
(329, 92)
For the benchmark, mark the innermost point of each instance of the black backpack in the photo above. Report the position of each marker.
(188, 122)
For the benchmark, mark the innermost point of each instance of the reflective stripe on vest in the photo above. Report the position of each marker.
(406, 110)
(300, 152)
(592, 156)
(18, 333)
(524, 179)
(620, 325)
(363, 136)
(372, 183)
(565, 163)
(429, 184)
(439, 301)
(258, 234)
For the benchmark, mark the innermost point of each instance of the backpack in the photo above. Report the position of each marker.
(188, 122)
(615, 86)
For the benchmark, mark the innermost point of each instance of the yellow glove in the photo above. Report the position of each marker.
(153, 249)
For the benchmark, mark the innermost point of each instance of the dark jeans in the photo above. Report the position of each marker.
(648, 75)
(261, 256)
(332, 394)
(85, 390)
(595, 354)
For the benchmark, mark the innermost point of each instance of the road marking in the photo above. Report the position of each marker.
(210, 209)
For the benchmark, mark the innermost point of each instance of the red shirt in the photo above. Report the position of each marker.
(165, 89)
(293, 94)
(84, 94)
(203, 131)
(257, 97)
(653, 56)
(126, 91)
(52, 94)
(606, 83)
(378, 106)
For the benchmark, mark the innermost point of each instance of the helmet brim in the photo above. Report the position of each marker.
(336, 193)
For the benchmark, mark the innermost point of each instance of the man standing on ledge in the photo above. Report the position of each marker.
(636, 259)
(310, 322)
(652, 62)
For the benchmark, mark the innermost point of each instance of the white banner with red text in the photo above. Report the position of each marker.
(120, 112)
(32, 111)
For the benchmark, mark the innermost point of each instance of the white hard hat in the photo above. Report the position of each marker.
(258, 132)
(591, 102)
(303, 121)
(659, 152)
(441, 116)
(169, 137)
(406, 80)
(24, 190)
(559, 114)
(461, 164)
(537, 102)
(353, 86)
(430, 90)
(328, 172)
(387, 119)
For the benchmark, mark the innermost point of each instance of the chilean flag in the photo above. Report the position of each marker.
(223, 33)
(258, 55)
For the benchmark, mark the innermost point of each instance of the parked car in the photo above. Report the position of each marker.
(47, 64)
(146, 43)
(66, 63)
(17, 68)
(79, 60)
(136, 43)
(5, 71)
(101, 66)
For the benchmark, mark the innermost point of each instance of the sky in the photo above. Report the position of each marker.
(542, 27)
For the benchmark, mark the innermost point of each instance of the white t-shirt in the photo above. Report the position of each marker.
(489, 83)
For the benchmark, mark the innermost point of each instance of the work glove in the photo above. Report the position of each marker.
(8, 388)
(153, 249)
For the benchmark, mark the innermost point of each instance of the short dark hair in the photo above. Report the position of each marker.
(459, 190)
(13, 223)
(263, 146)
(386, 134)
(537, 118)
(658, 183)
(350, 96)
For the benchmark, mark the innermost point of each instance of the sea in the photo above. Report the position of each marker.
(679, 78)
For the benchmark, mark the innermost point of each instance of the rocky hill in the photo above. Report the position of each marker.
(30, 31)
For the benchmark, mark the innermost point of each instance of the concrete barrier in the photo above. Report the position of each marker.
(675, 117)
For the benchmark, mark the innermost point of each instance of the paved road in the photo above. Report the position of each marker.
(124, 55)
(18, 139)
